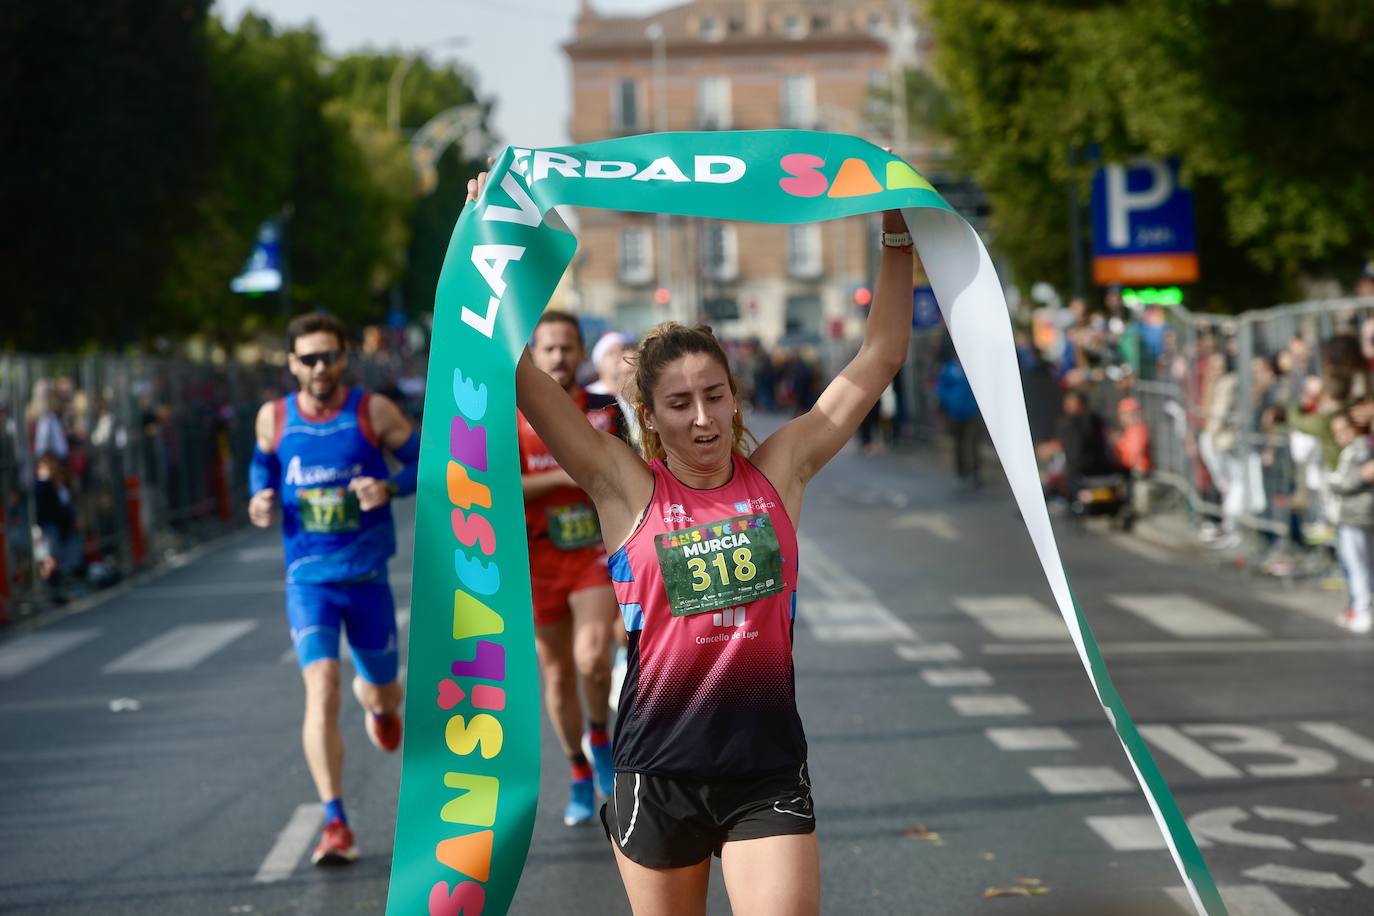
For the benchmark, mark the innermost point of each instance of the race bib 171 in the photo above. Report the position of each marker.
(328, 510)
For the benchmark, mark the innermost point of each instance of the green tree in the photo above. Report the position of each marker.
(362, 81)
(1266, 103)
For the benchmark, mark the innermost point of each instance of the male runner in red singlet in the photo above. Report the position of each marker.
(574, 603)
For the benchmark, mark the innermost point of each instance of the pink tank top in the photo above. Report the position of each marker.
(707, 586)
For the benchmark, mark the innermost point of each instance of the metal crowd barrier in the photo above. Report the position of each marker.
(157, 452)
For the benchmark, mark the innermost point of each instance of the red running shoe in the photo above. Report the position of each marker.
(384, 730)
(336, 845)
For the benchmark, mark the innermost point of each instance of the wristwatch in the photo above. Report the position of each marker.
(896, 239)
(392, 488)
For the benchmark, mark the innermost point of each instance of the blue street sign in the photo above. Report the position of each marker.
(925, 311)
(1143, 226)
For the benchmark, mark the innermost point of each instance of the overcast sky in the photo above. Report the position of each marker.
(512, 48)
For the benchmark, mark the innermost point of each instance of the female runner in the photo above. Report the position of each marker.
(710, 755)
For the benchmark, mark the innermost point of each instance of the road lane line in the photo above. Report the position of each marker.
(1185, 616)
(294, 839)
(1188, 752)
(956, 677)
(1128, 832)
(33, 649)
(928, 652)
(994, 705)
(1202, 647)
(1142, 549)
(1014, 617)
(1241, 899)
(1342, 739)
(1296, 877)
(1324, 608)
(1081, 780)
(1031, 739)
(181, 647)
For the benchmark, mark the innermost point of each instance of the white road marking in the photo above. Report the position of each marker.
(928, 652)
(1185, 616)
(1015, 617)
(1142, 549)
(846, 610)
(995, 705)
(33, 649)
(1324, 607)
(1341, 738)
(956, 677)
(1129, 832)
(1296, 877)
(1188, 752)
(181, 647)
(1361, 852)
(291, 844)
(1202, 647)
(1219, 825)
(1081, 780)
(935, 523)
(1031, 739)
(1242, 900)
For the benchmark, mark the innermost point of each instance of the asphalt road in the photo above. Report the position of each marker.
(151, 763)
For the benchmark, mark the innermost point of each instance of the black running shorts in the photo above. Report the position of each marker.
(665, 822)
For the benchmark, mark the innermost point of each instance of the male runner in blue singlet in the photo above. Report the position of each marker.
(320, 455)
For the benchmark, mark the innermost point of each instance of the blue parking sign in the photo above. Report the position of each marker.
(1143, 226)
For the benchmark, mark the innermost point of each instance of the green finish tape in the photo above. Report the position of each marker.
(470, 775)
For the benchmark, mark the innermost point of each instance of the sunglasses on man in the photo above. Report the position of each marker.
(328, 357)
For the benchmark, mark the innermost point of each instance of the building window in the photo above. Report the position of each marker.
(801, 320)
(711, 29)
(820, 23)
(625, 105)
(804, 251)
(878, 98)
(876, 23)
(798, 100)
(719, 251)
(793, 25)
(636, 256)
(713, 103)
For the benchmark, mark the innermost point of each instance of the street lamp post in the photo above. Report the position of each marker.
(656, 34)
(398, 78)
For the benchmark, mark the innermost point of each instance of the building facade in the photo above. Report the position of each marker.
(718, 65)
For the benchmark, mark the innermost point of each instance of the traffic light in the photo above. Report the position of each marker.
(662, 296)
(863, 296)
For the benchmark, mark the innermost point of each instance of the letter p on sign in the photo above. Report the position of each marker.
(1121, 202)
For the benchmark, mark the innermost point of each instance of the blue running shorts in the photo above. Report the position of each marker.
(316, 610)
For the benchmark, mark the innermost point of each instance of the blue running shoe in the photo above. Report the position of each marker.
(581, 803)
(603, 765)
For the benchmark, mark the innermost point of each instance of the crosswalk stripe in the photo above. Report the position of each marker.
(1241, 899)
(1031, 739)
(956, 677)
(1128, 832)
(1080, 780)
(28, 652)
(1013, 617)
(846, 610)
(180, 648)
(1185, 616)
(291, 844)
(989, 705)
(928, 652)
